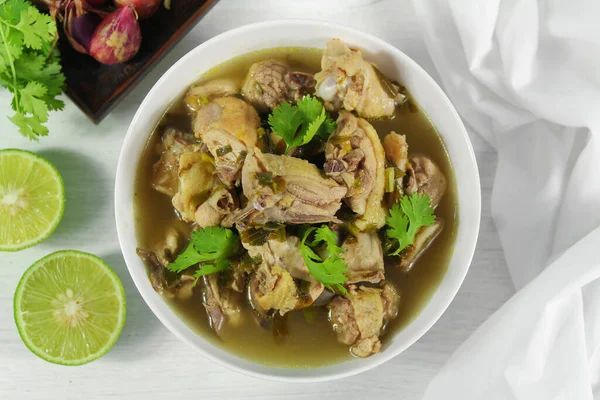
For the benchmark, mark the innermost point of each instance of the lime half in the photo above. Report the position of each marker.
(69, 308)
(32, 199)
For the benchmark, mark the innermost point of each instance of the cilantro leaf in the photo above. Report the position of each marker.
(327, 128)
(36, 27)
(330, 271)
(30, 127)
(208, 269)
(298, 124)
(30, 99)
(406, 218)
(212, 244)
(285, 121)
(309, 107)
(324, 234)
(29, 65)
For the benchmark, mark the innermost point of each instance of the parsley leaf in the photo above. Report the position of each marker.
(298, 124)
(406, 218)
(29, 65)
(210, 247)
(330, 271)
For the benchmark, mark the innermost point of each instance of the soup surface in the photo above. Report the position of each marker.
(311, 341)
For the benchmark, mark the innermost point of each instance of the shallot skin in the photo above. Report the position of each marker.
(83, 27)
(118, 37)
(144, 8)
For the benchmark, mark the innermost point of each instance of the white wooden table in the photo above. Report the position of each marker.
(148, 362)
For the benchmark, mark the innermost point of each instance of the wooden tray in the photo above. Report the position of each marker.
(97, 88)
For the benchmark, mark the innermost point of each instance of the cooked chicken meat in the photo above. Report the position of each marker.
(272, 82)
(349, 82)
(285, 253)
(425, 177)
(228, 127)
(222, 305)
(396, 150)
(164, 172)
(164, 282)
(364, 256)
(423, 239)
(211, 212)
(358, 317)
(201, 94)
(196, 181)
(273, 289)
(282, 282)
(355, 159)
(391, 302)
(286, 189)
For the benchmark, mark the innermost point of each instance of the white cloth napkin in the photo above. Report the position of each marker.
(525, 75)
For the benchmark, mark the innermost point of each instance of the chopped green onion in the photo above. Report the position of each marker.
(264, 178)
(221, 151)
(390, 175)
(339, 139)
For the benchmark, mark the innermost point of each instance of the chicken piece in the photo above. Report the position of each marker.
(285, 253)
(228, 127)
(196, 181)
(423, 239)
(358, 317)
(156, 269)
(346, 81)
(163, 281)
(357, 320)
(282, 282)
(391, 301)
(219, 204)
(222, 305)
(272, 82)
(355, 158)
(396, 150)
(286, 189)
(273, 289)
(241, 269)
(364, 256)
(425, 177)
(159, 255)
(200, 95)
(164, 172)
(183, 289)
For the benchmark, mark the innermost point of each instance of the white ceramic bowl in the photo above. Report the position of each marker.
(310, 34)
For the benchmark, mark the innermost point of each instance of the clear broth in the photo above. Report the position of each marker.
(309, 344)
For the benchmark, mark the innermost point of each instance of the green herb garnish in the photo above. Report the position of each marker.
(298, 124)
(330, 271)
(210, 247)
(406, 218)
(221, 151)
(29, 65)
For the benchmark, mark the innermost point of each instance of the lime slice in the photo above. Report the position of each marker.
(32, 199)
(69, 308)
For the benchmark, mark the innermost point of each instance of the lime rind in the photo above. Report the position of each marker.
(53, 224)
(21, 325)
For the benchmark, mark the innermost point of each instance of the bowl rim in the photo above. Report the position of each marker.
(350, 369)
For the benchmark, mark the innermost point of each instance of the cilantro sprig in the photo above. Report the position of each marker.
(29, 65)
(406, 218)
(299, 124)
(210, 248)
(330, 271)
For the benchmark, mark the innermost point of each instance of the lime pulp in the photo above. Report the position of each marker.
(32, 199)
(69, 308)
